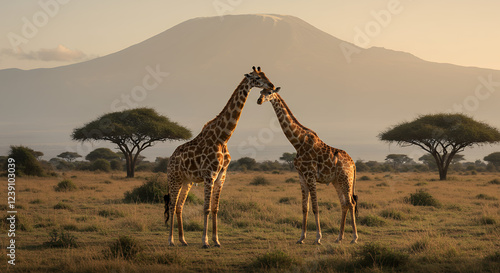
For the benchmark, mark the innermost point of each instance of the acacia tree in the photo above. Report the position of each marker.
(69, 156)
(132, 131)
(493, 158)
(398, 160)
(442, 136)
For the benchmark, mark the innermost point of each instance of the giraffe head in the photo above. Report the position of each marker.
(267, 95)
(258, 79)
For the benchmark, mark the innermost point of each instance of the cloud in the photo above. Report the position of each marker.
(60, 53)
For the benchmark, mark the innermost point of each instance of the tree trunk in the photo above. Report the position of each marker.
(130, 166)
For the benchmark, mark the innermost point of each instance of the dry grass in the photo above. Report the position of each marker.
(259, 226)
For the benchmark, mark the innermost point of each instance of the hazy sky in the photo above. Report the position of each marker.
(48, 33)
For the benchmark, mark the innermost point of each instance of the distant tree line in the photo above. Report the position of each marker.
(29, 162)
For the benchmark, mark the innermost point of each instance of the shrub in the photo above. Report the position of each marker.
(125, 247)
(100, 165)
(62, 205)
(287, 200)
(152, 191)
(116, 165)
(61, 239)
(373, 254)
(365, 178)
(396, 215)
(487, 220)
(110, 213)
(291, 180)
(276, 259)
(495, 181)
(26, 163)
(422, 198)
(161, 165)
(260, 180)
(371, 221)
(65, 185)
(486, 197)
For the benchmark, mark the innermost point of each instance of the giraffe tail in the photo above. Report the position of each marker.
(167, 203)
(354, 196)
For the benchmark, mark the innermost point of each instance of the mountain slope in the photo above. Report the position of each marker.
(189, 71)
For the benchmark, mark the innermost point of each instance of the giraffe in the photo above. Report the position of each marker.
(205, 159)
(316, 162)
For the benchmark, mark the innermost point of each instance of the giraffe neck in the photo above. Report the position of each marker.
(294, 131)
(222, 127)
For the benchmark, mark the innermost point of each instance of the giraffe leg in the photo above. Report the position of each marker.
(345, 208)
(180, 204)
(354, 229)
(209, 185)
(215, 205)
(315, 209)
(174, 194)
(305, 209)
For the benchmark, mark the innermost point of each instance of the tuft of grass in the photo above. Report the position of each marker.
(152, 191)
(419, 184)
(487, 220)
(260, 181)
(372, 221)
(392, 213)
(422, 198)
(65, 185)
(328, 205)
(365, 178)
(61, 239)
(62, 205)
(291, 180)
(374, 254)
(486, 197)
(36, 201)
(276, 259)
(287, 200)
(366, 205)
(383, 184)
(107, 182)
(419, 246)
(125, 247)
(495, 181)
(111, 213)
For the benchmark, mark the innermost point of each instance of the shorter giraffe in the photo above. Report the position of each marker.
(316, 162)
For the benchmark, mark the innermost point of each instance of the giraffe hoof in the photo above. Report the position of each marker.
(317, 243)
(299, 242)
(338, 241)
(354, 241)
(205, 246)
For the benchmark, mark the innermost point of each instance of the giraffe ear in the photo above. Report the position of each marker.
(247, 76)
(277, 89)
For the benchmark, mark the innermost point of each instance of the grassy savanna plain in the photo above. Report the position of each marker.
(259, 226)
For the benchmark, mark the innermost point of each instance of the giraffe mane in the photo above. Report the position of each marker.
(285, 106)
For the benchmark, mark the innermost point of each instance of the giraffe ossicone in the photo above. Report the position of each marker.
(205, 159)
(316, 162)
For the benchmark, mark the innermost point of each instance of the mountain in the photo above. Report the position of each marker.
(345, 93)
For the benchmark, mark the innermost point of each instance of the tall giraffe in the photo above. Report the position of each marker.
(316, 162)
(205, 159)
